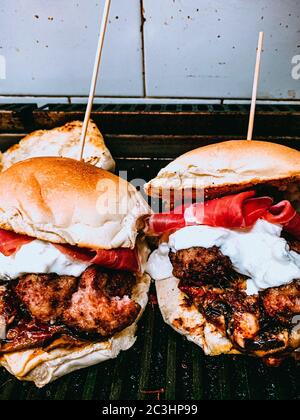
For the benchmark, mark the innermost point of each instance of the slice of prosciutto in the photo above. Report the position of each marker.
(238, 211)
(117, 259)
(11, 242)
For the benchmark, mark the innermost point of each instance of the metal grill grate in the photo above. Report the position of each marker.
(162, 360)
(180, 119)
(182, 108)
(16, 117)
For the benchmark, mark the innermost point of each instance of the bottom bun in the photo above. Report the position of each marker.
(188, 321)
(42, 367)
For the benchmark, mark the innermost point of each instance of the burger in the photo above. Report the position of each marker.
(71, 267)
(227, 267)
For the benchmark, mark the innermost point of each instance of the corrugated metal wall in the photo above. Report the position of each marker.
(154, 48)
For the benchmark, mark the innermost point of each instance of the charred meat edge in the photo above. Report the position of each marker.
(38, 308)
(259, 324)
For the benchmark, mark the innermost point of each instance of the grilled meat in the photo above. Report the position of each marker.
(93, 311)
(39, 308)
(96, 303)
(115, 283)
(258, 324)
(231, 310)
(8, 310)
(45, 296)
(294, 245)
(3, 306)
(26, 335)
(243, 326)
(201, 265)
(283, 302)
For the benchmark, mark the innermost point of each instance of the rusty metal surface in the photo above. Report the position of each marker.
(16, 117)
(158, 130)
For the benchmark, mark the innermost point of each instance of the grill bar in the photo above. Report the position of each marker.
(16, 117)
(240, 378)
(171, 367)
(138, 108)
(278, 120)
(197, 361)
(117, 383)
(146, 355)
(89, 385)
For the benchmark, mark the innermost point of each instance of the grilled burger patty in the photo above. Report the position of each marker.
(38, 307)
(46, 296)
(94, 309)
(259, 324)
(201, 265)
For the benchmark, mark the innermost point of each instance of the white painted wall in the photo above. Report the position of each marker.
(207, 48)
(192, 48)
(50, 47)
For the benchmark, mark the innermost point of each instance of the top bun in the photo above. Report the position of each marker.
(64, 201)
(228, 167)
(61, 141)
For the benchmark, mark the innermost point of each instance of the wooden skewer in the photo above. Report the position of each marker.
(94, 77)
(255, 85)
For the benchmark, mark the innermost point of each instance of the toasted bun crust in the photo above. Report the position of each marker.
(61, 142)
(188, 321)
(62, 200)
(42, 366)
(228, 167)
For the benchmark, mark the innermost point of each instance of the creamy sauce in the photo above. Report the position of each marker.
(258, 253)
(39, 257)
(159, 266)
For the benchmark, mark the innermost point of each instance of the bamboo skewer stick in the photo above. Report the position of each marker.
(94, 77)
(255, 85)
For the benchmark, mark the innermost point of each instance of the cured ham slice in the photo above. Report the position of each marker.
(236, 211)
